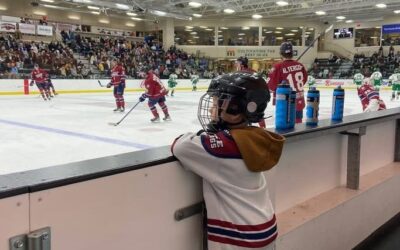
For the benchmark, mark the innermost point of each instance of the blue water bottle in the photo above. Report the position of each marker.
(282, 110)
(292, 105)
(312, 109)
(338, 104)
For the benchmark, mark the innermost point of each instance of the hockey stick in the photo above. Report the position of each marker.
(117, 123)
(312, 44)
(101, 85)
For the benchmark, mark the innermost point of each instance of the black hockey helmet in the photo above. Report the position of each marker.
(286, 49)
(236, 93)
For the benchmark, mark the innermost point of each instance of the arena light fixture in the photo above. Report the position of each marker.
(203, 27)
(229, 11)
(197, 15)
(209, 29)
(396, 12)
(289, 34)
(82, 1)
(294, 31)
(279, 38)
(130, 24)
(340, 17)
(3, 8)
(39, 13)
(268, 32)
(93, 8)
(381, 5)
(282, 3)
(241, 34)
(349, 21)
(122, 6)
(131, 14)
(104, 21)
(74, 17)
(223, 28)
(279, 28)
(50, 6)
(194, 4)
(373, 37)
(95, 12)
(189, 27)
(256, 16)
(47, 1)
(278, 32)
(196, 37)
(136, 18)
(320, 13)
(193, 33)
(159, 12)
(245, 28)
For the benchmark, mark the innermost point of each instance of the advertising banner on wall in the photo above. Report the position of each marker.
(251, 53)
(12, 19)
(44, 30)
(391, 28)
(8, 26)
(27, 28)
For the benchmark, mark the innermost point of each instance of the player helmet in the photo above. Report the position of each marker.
(36, 66)
(236, 93)
(286, 50)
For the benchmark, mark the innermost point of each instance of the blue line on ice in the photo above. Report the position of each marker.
(75, 134)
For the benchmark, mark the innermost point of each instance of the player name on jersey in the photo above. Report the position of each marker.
(293, 68)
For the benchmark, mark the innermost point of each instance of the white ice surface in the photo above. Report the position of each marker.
(74, 127)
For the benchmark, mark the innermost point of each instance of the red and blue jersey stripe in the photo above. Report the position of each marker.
(250, 236)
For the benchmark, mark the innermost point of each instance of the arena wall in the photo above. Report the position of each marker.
(70, 86)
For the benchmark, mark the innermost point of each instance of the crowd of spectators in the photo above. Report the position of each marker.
(17, 58)
(134, 55)
(386, 64)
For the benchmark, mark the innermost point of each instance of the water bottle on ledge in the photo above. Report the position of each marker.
(283, 107)
(312, 109)
(338, 104)
(292, 105)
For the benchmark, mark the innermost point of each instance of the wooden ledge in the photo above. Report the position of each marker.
(322, 203)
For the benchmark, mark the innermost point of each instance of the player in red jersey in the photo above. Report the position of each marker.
(156, 92)
(118, 81)
(292, 72)
(369, 97)
(242, 64)
(39, 76)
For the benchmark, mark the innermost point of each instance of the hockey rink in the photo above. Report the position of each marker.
(74, 127)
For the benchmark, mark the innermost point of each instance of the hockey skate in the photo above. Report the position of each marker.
(117, 110)
(122, 110)
(155, 119)
(167, 118)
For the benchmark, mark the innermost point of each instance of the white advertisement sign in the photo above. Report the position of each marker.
(27, 28)
(8, 26)
(12, 19)
(44, 30)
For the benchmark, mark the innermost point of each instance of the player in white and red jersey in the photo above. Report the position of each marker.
(39, 76)
(292, 72)
(242, 65)
(369, 97)
(156, 92)
(118, 81)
